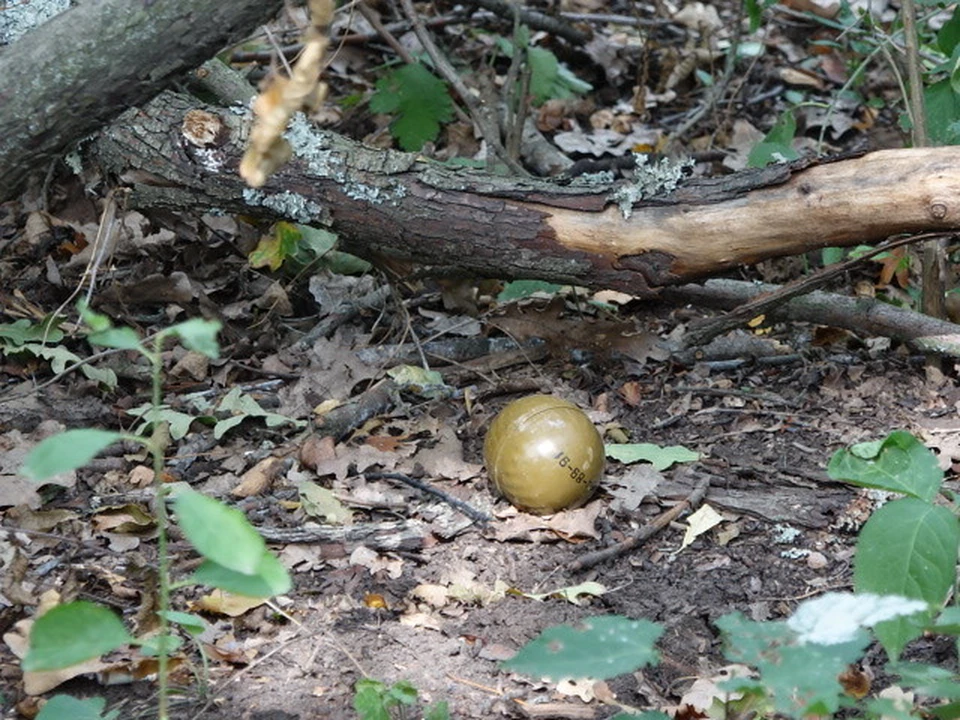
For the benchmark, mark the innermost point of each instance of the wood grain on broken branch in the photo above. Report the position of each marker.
(457, 221)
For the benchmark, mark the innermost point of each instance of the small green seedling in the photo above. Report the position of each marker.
(236, 558)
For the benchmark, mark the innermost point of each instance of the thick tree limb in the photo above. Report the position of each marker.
(459, 221)
(74, 74)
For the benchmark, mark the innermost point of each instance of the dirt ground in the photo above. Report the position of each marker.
(391, 582)
(444, 614)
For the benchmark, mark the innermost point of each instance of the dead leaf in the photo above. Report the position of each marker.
(420, 619)
(433, 594)
(14, 447)
(315, 450)
(193, 365)
(222, 602)
(319, 502)
(258, 478)
(128, 518)
(374, 562)
(700, 522)
(580, 687)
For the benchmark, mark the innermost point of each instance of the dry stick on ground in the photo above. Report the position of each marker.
(478, 516)
(373, 17)
(691, 502)
(536, 20)
(703, 332)
(861, 315)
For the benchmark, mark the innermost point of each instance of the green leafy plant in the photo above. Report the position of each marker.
(660, 457)
(23, 336)
(374, 700)
(420, 101)
(549, 78)
(909, 545)
(904, 569)
(302, 246)
(777, 145)
(236, 558)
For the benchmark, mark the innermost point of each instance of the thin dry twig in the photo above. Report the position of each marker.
(478, 516)
(647, 531)
(373, 17)
(709, 329)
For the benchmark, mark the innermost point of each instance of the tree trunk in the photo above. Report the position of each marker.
(462, 221)
(71, 76)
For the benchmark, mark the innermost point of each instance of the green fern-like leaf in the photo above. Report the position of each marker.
(420, 101)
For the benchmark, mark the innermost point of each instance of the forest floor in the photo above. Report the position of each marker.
(444, 611)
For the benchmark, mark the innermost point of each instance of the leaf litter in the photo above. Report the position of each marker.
(444, 613)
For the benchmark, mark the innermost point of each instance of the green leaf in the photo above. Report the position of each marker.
(64, 707)
(942, 104)
(930, 680)
(368, 700)
(544, 70)
(908, 547)
(953, 68)
(274, 249)
(23, 331)
(831, 255)
(401, 692)
(219, 533)
(123, 338)
(270, 578)
(59, 358)
(243, 406)
(66, 451)
(948, 37)
(419, 99)
(948, 622)
(321, 245)
(777, 146)
(660, 457)
(199, 335)
(72, 633)
(179, 422)
(601, 647)
(898, 463)
(519, 289)
(801, 678)
(437, 711)
(193, 624)
(550, 79)
(94, 320)
(152, 645)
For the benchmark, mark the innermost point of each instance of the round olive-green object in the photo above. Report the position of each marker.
(543, 454)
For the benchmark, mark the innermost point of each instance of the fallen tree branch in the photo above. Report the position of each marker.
(857, 314)
(456, 221)
(703, 331)
(74, 74)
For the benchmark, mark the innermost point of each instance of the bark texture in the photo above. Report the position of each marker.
(75, 73)
(402, 207)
